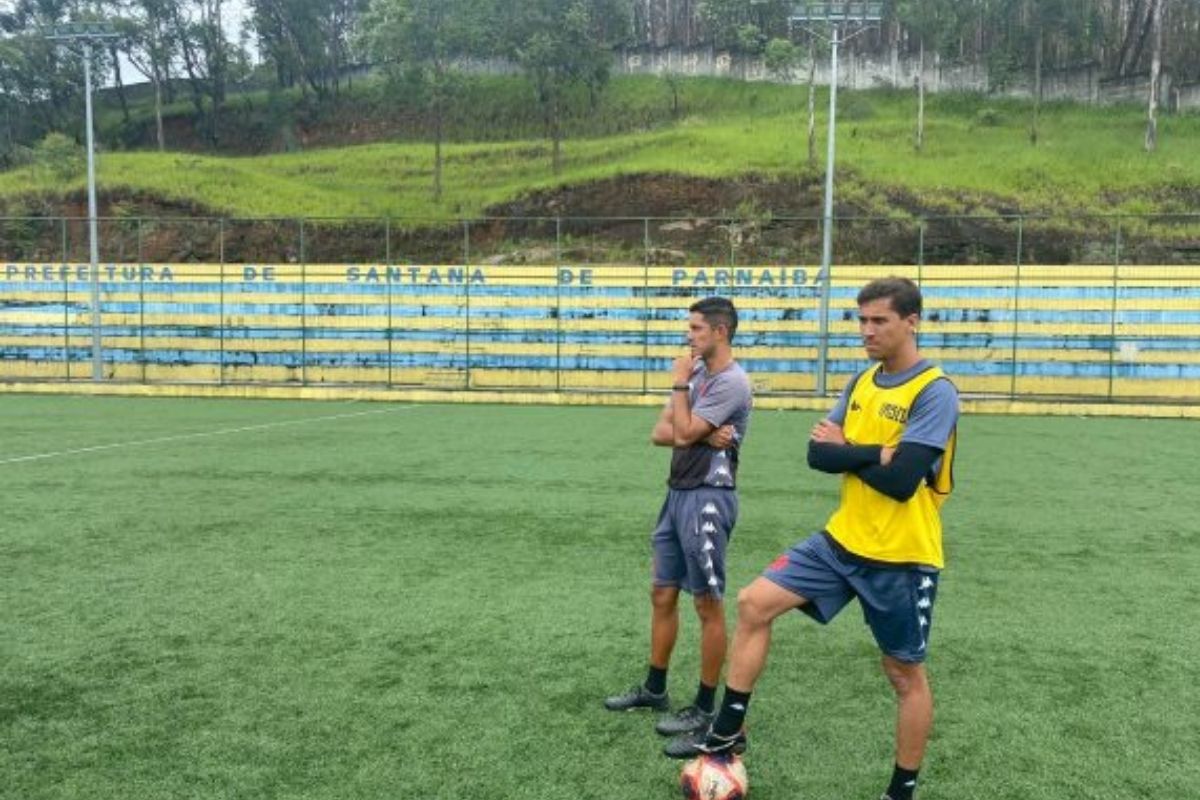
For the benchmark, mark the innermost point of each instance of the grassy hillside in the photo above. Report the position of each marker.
(977, 156)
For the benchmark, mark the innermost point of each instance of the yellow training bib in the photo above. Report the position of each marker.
(868, 523)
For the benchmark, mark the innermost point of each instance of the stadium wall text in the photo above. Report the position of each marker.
(1103, 332)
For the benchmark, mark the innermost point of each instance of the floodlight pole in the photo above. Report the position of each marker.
(87, 35)
(837, 16)
(827, 226)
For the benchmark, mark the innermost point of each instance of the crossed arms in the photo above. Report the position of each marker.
(894, 471)
(677, 426)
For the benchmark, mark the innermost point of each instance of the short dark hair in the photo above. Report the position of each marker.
(717, 311)
(904, 294)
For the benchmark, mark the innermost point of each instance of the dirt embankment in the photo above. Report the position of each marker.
(655, 218)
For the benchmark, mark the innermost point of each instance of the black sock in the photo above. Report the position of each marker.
(733, 712)
(705, 695)
(904, 783)
(656, 680)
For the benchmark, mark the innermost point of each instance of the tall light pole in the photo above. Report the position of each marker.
(844, 20)
(88, 34)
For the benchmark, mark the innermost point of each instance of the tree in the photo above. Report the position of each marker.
(197, 28)
(1062, 26)
(42, 80)
(937, 26)
(934, 24)
(417, 41)
(782, 58)
(744, 26)
(60, 157)
(562, 43)
(148, 45)
(308, 40)
(1155, 76)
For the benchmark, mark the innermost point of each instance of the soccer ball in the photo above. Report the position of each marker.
(714, 777)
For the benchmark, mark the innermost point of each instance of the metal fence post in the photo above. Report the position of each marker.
(141, 303)
(729, 229)
(645, 305)
(558, 304)
(920, 264)
(387, 263)
(1112, 321)
(920, 252)
(825, 276)
(1016, 328)
(66, 302)
(221, 305)
(303, 310)
(467, 272)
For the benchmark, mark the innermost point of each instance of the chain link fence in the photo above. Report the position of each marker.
(1065, 307)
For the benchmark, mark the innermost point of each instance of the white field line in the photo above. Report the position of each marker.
(200, 435)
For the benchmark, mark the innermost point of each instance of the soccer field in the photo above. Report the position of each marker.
(260, 599)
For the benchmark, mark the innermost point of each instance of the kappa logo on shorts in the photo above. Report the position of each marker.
(926, 583)
(708, 527)
(710, 508)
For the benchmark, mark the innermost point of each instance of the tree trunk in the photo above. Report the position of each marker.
(439, 113)
(193, 83)
(120, 83)
(894, 52)
(1037, 86)
(168, 83)
(1155, 77)
(215, 64)
(1147, 28)
(812, 110)
(556, 133)
(1129, 20)
(919, 143)
(158, 106)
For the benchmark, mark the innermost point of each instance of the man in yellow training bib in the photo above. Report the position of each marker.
(891, 437)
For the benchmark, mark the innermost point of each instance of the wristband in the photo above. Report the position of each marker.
(681, 388)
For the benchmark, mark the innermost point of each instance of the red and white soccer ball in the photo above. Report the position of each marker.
(717, 777)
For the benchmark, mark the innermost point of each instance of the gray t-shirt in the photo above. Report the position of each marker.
(934, 413)
(722, 399)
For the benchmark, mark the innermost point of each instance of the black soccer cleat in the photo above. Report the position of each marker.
(685, 720)
(705, 742)
(638, 697)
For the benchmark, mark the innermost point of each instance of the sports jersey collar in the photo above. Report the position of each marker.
(886, 380)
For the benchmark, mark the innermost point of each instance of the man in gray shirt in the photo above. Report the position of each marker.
(705, 422)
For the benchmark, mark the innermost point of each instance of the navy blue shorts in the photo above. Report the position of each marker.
(690, 539)
(897, 602)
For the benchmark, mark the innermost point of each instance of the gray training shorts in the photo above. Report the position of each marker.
(691, 537)
(897, 601)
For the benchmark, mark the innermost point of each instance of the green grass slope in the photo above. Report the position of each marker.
(977, 157)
